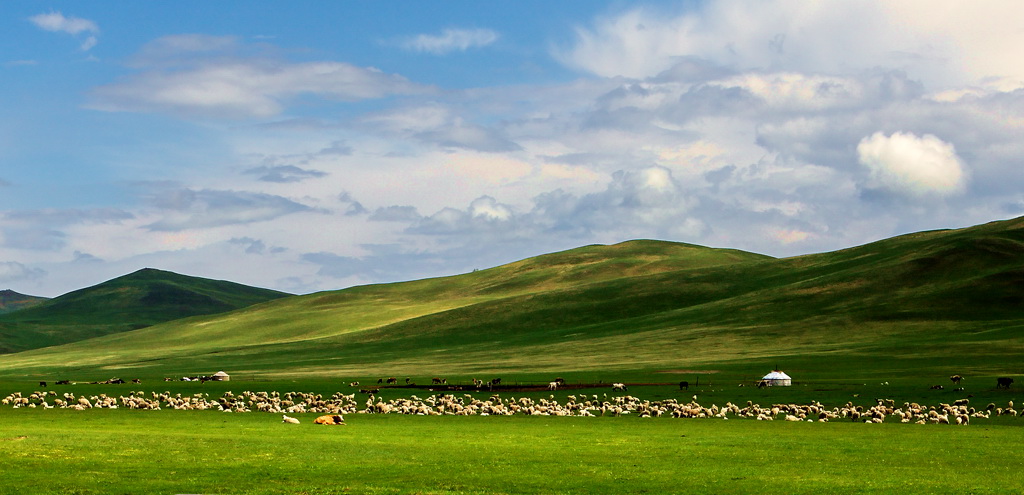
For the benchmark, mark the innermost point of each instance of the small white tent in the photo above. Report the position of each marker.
(220, 376)
(777, 379)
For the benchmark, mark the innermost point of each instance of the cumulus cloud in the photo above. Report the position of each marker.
(11, 271)
(185, 208)
(57, 22)
(451, 40)
(906, 163)
(175, 79)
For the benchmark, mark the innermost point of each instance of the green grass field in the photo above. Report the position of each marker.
(119, 451)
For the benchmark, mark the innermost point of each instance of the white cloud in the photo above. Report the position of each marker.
(916, 165)
(947, 43)
(182, 76)
(56, 22)
(451, 40)
(184, 209)
(11, 271)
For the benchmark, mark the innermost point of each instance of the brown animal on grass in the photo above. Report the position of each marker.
(330, 419)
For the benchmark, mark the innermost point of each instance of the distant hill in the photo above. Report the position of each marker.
(13, 301)
(133, 301)
(927, 303)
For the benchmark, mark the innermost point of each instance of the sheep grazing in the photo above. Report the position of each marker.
(330, 419)
(288, 419)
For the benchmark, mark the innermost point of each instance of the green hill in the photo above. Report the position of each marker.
(12, 301)
(925, 302)
(133, 301)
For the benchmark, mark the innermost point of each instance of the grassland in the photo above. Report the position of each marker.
(882, 321)
(120, 451)
(937, 302)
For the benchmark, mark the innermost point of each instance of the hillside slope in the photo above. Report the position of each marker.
(133, 301)
(927, 300)
(12, 301)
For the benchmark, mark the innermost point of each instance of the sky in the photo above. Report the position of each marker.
(316, 145)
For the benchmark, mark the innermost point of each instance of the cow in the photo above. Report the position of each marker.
(63, 382)
(763, 384)
(619, 387)
(392, 380)
(1004, 382)
(439, 381)
(330, 419)
(956, 379)
(42, 384)
(684, 385)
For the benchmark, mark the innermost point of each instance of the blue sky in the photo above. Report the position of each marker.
(309, 146)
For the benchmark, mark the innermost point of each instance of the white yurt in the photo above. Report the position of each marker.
(221, 376)
(777, 379)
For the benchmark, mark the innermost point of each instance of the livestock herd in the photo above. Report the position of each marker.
(332, 408)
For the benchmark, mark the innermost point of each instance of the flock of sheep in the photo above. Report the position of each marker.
(333, 407)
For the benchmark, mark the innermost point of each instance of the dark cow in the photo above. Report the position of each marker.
(684, 385)
(956, 379)
(42, 384)
(439, 381)
(762, 384)
(1003, 382)
(392, 380)
(63, 382)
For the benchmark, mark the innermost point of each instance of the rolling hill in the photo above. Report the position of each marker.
(923, 302)
(13, 301)
(134, 301)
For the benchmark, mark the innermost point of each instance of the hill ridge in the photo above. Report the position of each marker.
(926, 299)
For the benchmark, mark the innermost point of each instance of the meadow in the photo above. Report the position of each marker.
(168, 451)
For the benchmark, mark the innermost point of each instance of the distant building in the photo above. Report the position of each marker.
(777, 379)
(220, 376)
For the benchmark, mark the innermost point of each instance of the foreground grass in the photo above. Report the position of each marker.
(119, 451)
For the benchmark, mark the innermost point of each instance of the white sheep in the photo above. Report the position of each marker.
(289, 419)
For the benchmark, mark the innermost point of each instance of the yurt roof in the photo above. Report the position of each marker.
(776, 375)
(220, 373)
